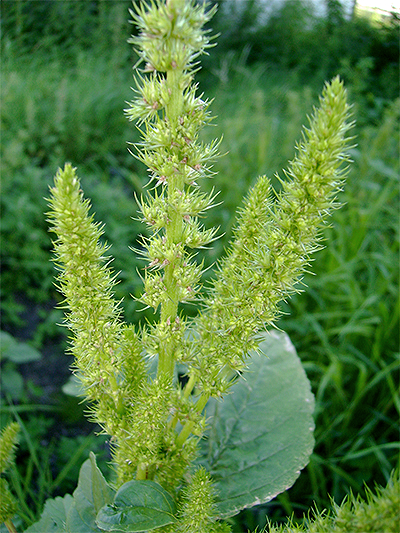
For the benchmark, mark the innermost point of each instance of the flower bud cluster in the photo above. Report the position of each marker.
(171, 35)
(147, 439)
(145, 424)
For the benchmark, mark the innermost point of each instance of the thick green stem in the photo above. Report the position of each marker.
(200, 405)
(141, 472)
(119, 405)
(173, 230)
(189, 386)
(174, 106)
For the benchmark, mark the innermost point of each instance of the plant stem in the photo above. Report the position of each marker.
(10, 526)
(188, 427)
(200, 405)
(186, 393)
(141, 472)
(189, 386)
(173, 230)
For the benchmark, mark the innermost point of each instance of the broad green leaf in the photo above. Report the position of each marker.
(91, 494)
(53, 517)
(12, 382)
(75, 524)
(261, 435)
(138, 506)
(20, 352)
(6, 342)
(102, 492)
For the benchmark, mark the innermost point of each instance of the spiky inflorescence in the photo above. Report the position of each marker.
(379, 513)
(272, 245)
(197, 510)
(170, 38)
(108, 358)
(270, 251)
(8, 443)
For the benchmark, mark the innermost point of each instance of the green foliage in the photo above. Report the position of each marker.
(29, 25)
(43, 125)
(270, 249)
(138, 506)
(13, 353)
(294, 36)
(344, 326)
(77, 513)
(25, 240)
(54, 516)
(45, 465)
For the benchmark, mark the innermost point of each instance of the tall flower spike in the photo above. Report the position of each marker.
(105, 351)
(272, 245)
(171, 37)
(8, 442)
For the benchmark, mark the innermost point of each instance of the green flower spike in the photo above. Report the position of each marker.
(8, 504)
(107, 354)
(271, 249)
(197, 509)
(170, 39)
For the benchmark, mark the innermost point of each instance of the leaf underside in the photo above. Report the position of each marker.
(261, 435)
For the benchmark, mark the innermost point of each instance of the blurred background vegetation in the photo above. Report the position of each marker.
(66, 75)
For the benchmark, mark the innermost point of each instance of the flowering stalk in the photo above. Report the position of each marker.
(8, 504)
(271, 248)
(170, 39)
(154, 422)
